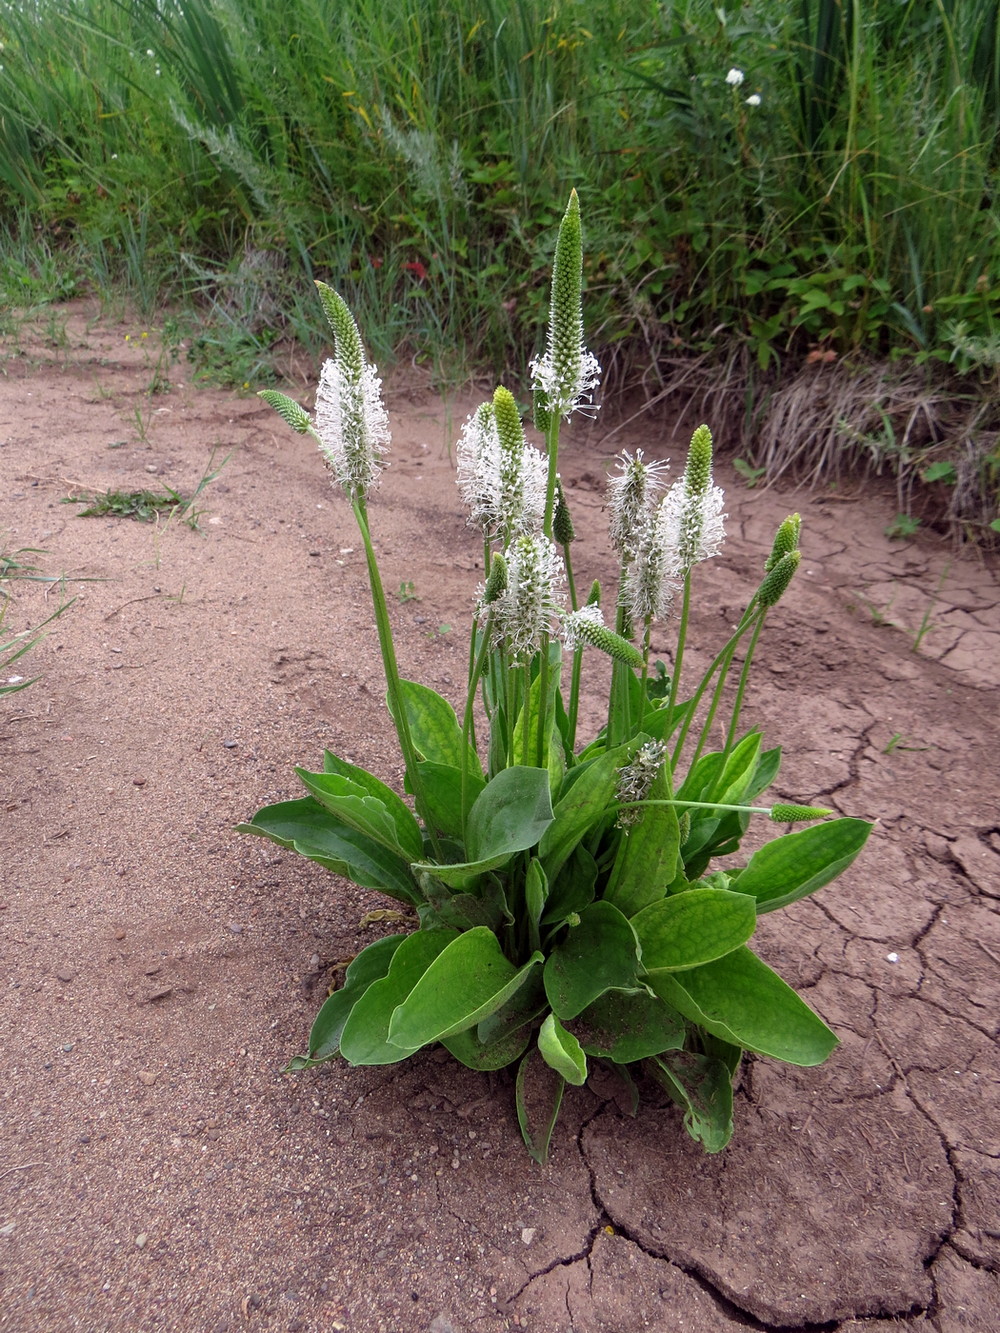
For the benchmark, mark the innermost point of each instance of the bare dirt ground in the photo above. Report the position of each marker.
(157, 1170)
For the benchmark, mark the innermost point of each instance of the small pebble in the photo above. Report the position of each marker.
(65, 974)
(138, 782)
(892, 958)
(146, 1077)
(140, 1240)
(528, 1234)
(235, 927)
(230, 745)
(67, 1046)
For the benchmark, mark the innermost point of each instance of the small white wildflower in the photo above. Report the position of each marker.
(353, 426)
(149, 52)
(478, 451)
(735, 77)
(753, 99)
(523, 613)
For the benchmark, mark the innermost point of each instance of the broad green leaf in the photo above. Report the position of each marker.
(524, 1006)
(689, 929)
(503, 1050)
(740, 999)
(434, 727)
(441, 907)
(370, 965)
(408, 833)
(646, 863)
(624, 1026)
(574, 888)
(588, 793)
(703, 1087)
(594, 956)
(308, 829)
(470, 979)
(561, 1051)
(365, 1038)
(351, 803)
(442, 788)
(795, 865)
(764, 774)
(510, 815)
(538, 1096)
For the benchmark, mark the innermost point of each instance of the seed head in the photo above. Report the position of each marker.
(562, 521)
(635, 780)
(649, 587)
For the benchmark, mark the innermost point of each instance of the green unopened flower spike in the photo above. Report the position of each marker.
(587, 626)
(594, 596)
(521, 472)
(794, 814)
(351, 421)
(786, 540)
(776, 582)
(567, 375)
(288, 409)
(496, 584)
(562, 521)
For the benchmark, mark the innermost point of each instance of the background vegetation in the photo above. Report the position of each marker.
(822, 262)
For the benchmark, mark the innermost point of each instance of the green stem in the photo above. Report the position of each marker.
(741, 687)
(552, 449)
(468, 728)
(724, 656)
(675, 675)
(392, 674)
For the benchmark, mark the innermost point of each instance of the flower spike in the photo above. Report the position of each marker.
(351, 421)
(564, 379)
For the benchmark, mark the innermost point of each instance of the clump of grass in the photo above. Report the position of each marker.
(147, 506)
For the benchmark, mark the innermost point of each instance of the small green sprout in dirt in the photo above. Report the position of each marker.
(751, 475)
(147, 506)
(407, 592)
(902, 527)
(14, 646)
(568, 908)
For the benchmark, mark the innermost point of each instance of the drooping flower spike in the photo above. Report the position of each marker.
(566, 376)
(350, 421)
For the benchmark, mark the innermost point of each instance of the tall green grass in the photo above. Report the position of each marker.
(414, 154)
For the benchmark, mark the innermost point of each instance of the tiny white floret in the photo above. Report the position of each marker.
(735, 77)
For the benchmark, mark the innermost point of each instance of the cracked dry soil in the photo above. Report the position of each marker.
(159, 1173)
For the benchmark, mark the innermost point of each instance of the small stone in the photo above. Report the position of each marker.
(67, 1046)
(213, 1135)
(528, 1234)
(119, 934)
(230, 745)
(8, 1229)
(160, 993)
(138, 782)
(235, 928)
(892, 958)
(140, 1240)
(442, 1324)
(65, 974)
(146, 1077)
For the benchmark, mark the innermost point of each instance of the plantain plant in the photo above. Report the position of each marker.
(568, 907)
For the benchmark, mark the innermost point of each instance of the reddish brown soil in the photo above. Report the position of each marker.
(158, 1172)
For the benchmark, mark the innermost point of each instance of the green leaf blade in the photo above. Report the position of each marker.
(689, 929)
